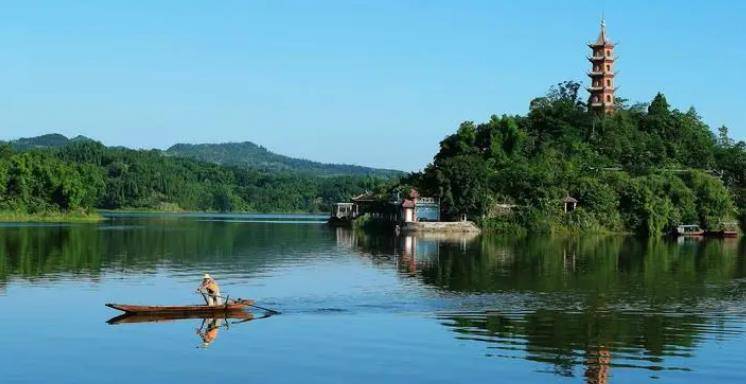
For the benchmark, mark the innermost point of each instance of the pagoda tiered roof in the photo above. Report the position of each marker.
(601, 73)
(600, 89)
(602, 40)
(594, 59)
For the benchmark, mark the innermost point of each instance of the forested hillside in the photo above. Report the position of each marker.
(248, 154)
(84, 174)
(51, 140)
(245, 154)
(645, 168)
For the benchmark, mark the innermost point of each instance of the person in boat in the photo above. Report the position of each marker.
(210, 290)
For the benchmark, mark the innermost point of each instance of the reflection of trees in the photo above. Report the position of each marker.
(32, 251)
(605, 270)
(606, 273)
(593, 302)
(609, 269)
(590, 339)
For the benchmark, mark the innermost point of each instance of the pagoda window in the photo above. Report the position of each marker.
(608, 82)
(608, 98)
(608, 67)
(608, 53)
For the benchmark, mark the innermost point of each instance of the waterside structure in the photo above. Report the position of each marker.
(410, 213)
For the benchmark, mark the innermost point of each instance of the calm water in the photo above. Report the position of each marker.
(367, 308)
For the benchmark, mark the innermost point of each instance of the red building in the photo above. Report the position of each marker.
(602, 73)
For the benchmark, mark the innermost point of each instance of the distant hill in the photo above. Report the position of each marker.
(245, 154)
(248, 154)
(52, 140)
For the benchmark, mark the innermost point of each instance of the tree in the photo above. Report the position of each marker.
(461, 183)
(624, 168)
(712, 198)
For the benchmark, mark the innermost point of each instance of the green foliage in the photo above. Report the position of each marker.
(38, 181)
(463, 184)
(84, 174)
(639, 169)
(713, 199)
(250, 155)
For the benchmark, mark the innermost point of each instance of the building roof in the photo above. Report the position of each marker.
(602, 39)
(407, 203)
(602, 35)
(569, 199)
(414, 193)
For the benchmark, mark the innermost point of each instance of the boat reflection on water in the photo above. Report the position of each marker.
(208, 329)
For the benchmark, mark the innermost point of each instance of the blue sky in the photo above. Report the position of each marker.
(376, 83)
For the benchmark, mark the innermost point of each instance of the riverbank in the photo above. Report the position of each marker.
(104, 214)
(444, 227)
(50, 217)
(184, 213)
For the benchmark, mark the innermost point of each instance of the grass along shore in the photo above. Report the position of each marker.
(51, 217)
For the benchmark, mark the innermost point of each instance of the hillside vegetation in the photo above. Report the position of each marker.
(83, 174)
(248, 154)
(245, 154)
(645, 168)
(51, 140)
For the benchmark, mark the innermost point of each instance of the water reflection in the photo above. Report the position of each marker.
(141, 245)
(589, 343)
(207, 331)
(612, 272)
(582, 305)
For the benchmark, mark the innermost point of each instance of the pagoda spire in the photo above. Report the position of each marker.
(602, 72)
(602, 35)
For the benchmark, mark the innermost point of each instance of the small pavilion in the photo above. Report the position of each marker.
(570, 203)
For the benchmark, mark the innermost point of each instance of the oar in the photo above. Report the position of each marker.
(266, 309)
(250, 305)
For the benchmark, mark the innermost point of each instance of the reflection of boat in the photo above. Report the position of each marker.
(689, 230)
(207, 331)
(231, 306)
(133, 318)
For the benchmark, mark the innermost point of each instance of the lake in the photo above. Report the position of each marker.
(364, 308)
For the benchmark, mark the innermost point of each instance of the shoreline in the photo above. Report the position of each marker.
(116, 212)
(50, 217)
(99, 215)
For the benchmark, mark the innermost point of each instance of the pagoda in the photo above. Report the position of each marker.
(602, 73)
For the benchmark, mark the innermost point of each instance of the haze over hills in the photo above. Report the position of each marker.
(244, 154)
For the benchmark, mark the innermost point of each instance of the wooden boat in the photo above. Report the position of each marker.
(689, 230)
(134, 318)
(231, 306)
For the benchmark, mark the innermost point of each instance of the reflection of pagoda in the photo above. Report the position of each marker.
(597, 366)
(602, 73)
